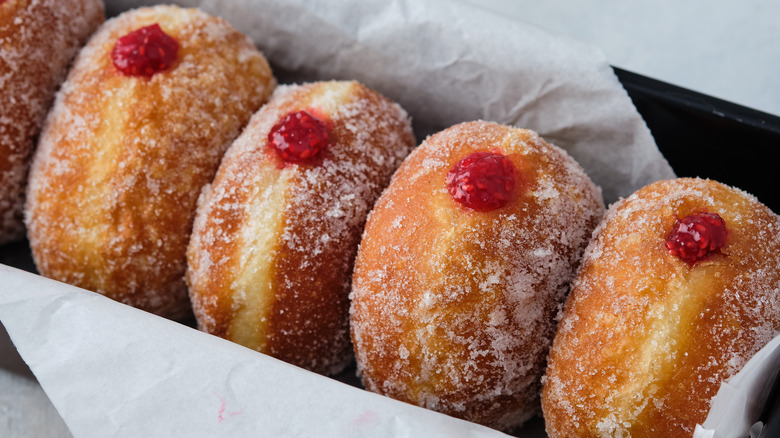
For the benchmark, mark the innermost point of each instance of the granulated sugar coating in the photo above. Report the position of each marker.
(274, 242)
(454, 309)
(122, 160)
(38, 39)
(647, 337)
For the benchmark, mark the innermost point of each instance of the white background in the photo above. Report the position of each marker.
(727, 48)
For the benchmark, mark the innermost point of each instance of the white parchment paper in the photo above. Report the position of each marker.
(115, 371)
(740, 400)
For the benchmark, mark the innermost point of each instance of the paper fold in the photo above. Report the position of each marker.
(141, 375)
(740, 400)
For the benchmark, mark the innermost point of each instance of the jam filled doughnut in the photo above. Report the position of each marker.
(140, 125)
(677, 291)
(464, 263)
(276, 234)
(38, 39)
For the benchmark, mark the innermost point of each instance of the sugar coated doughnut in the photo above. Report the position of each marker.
(276, 234)
(678, 290)
(464, 263)
(38, 39)
(139, 126)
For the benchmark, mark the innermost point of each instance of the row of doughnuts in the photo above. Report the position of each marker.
(142, 189)
(144, 135)
(458, 298)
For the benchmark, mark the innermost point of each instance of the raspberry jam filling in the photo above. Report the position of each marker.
(695, 237)
(483, 181)
(299, 137)
(145, 51)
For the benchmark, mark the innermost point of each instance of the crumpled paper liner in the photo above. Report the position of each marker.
(116, 371)
(112, 370)
(447, 62)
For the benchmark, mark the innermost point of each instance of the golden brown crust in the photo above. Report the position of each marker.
(453, 309)
(122, 159)
(646, 340)
(38, 39)
(273, 245)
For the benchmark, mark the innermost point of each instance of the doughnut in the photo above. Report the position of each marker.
(275, 237)
(139, 127)
(463, 266)
(678, 289)
(38, 39)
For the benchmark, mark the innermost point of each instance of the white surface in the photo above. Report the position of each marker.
(729, 49)
(25, 410)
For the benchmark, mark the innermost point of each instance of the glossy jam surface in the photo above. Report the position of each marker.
(482, 181)
(695, 237)
(299, 137)
(145, 52)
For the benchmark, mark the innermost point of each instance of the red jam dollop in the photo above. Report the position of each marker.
(299, 137)
(695, 237)
(483, 181)
(145, 52)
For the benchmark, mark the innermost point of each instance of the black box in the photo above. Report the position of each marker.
(710, 138)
